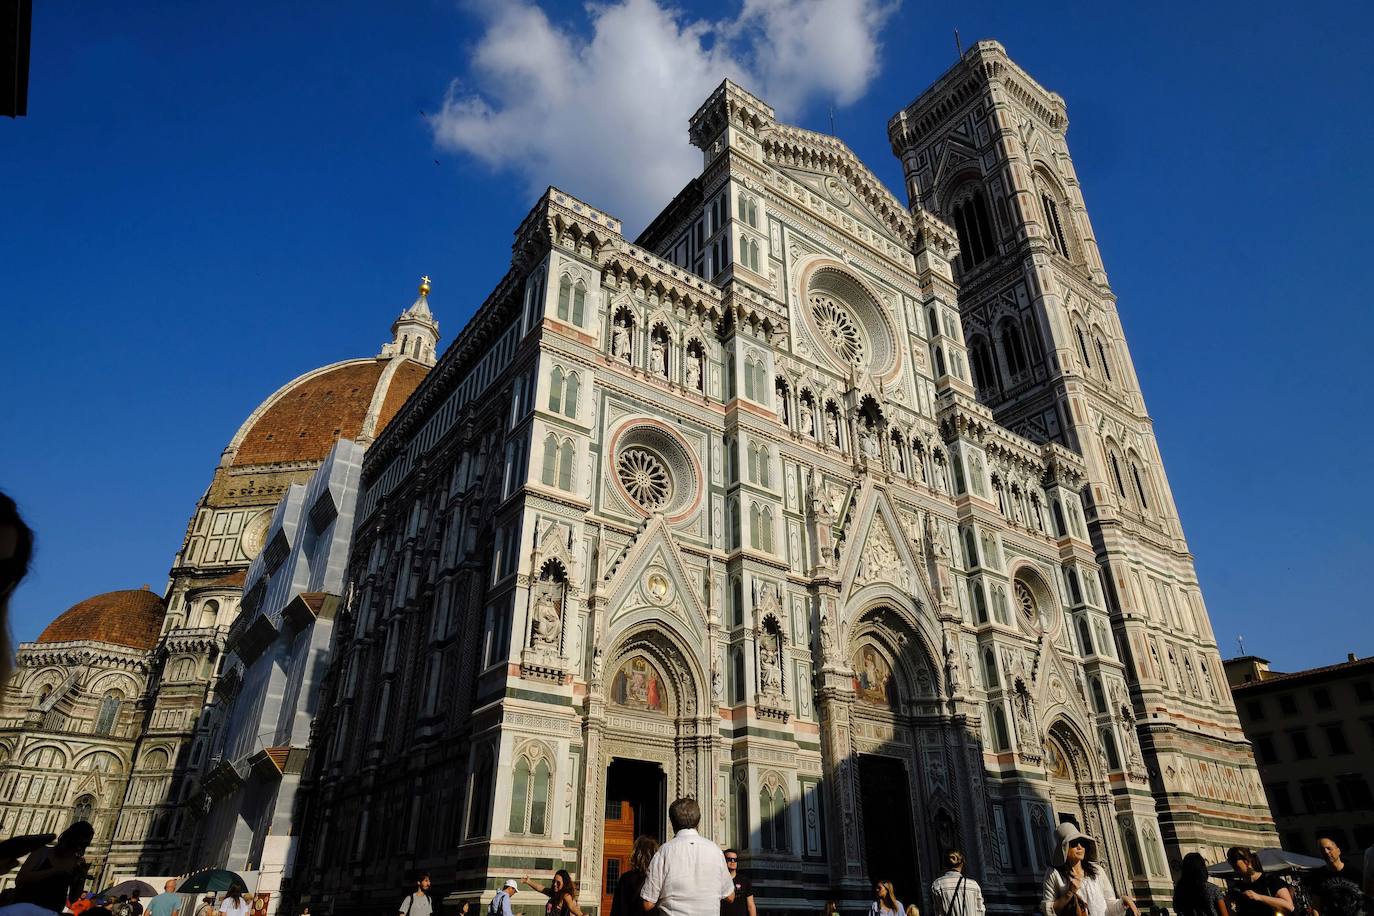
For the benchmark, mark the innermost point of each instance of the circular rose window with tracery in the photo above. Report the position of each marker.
(838, 329)
(1025, 600)
(846, 321)
(654, 471)
(644, 477)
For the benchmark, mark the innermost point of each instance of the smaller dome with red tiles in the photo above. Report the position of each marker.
(130, 617)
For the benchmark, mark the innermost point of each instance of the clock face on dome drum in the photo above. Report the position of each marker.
(254, 533)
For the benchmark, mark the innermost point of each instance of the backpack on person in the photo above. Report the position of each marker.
(1302, 899)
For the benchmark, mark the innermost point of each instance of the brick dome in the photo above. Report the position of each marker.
(303, 419)
(132, 617)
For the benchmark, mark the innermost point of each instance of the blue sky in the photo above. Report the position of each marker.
(206, 200)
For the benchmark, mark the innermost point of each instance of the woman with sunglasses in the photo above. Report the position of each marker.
(1079, 886)
(1255, 893)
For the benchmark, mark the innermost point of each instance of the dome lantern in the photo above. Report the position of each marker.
(415, 333)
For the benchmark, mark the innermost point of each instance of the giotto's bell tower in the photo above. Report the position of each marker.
(984, 148)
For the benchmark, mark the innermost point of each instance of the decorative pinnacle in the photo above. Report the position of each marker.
(424, 286)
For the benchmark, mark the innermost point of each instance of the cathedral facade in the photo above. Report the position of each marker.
(839, 514)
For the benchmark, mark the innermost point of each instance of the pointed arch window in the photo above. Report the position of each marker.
(557, 468)
(479, 797)
(108, 716)
(990, 678)
(1132, 850)
(1013, 347)
(1099, 698)
(579, 305)
(1001, 738)
(530, 796)
(986, 375)
(1139, 487)
(1056, 229)
(564, 296)
(740, 802)
(84, 809)
(1109, 746)
(980, 602)
(932, 323)
(1116, 474)
(549, 472)
(973, 224)
(1083, 348)
(1085, 636)
(939, 363)
(565, 465)
(970, 549)
(556, 390)
(519, 796)
(571, 388)
(737, 675)
(766, 530)
(1102, 358)
(773, 818)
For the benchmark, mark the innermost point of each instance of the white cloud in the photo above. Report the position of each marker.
(604, 115)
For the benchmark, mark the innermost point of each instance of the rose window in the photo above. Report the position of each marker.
(838, 329)
(644, 477)
(1025, 600)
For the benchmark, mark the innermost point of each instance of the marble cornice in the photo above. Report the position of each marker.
(83, 653)
(806, 221)
(982, 66)
(785, 145)
(625, 265)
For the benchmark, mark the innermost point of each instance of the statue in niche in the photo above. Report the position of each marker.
(598, 666)
(868, 442)
(770, 674)
(546, 619)
(953, 679)
(941, 481)
(693, 371)
(832, 429)
(717, 689)
(620, 342)
(658, 356)
(1024, 707)
(808, 420)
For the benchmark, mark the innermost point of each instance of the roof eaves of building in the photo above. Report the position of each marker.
(1287, 680)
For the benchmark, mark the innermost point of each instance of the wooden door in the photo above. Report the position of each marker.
(617, 845)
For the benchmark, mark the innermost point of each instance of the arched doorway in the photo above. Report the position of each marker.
(652, 746)
(903, 784)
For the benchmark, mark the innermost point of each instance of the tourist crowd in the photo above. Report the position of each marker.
(691, 876)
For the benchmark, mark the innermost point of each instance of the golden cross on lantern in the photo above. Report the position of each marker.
(424, 286)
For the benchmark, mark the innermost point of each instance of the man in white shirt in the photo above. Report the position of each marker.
(688, 876)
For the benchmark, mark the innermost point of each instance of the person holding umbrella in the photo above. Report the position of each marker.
(1257, 894)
